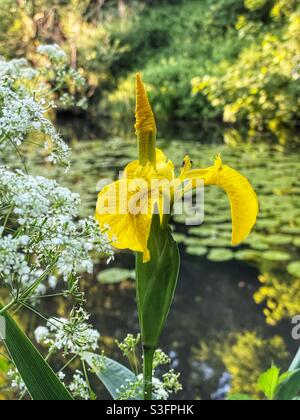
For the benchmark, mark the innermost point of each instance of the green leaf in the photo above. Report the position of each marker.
(112, 374)
(156, 282)
(40, 380)
(239, 397)
(289, 387)
(296, 362)
(269, 381)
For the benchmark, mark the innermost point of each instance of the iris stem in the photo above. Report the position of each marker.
(148, 372)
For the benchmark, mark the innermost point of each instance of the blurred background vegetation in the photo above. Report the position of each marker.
(218, 71)
(230, 62)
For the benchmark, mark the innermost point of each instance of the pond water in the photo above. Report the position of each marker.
(232, 312)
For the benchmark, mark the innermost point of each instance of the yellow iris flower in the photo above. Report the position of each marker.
(127, 206)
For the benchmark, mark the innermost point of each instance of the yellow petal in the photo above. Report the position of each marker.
(164, 169)
(242, 197)
(145, 124)
(127, 230)
(158, 179)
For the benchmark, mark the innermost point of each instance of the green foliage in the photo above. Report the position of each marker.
(261, 87)
(156, 283)
(243, 53)
(40, 380)
(269, 381)
(169, 43)
(282, 387)
(289, 387)
(205, 61)
(112, 374)
(239, 397)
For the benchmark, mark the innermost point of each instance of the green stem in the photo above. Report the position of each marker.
(7, 307)
(148, 372)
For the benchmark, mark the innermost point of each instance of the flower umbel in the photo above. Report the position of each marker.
(149, 185)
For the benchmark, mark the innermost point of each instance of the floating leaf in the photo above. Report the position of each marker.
(259, 246)
(276, 256)
(196, 251)
(193, 242)
(203, 231)
(267, 224)
(296, 242)
(220, 255)
(278, 239)
(179, 237)
(115, 275)
(294, 269)
(291, 230)
(217, 242)
(247, 255)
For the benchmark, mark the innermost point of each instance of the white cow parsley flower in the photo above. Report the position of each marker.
(79, 387)
(74, 335)
(16, 380)
(53, 52)
(21, 113)
(45, 215)
(17, 68)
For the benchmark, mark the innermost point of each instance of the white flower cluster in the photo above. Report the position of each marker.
(79, 387)
(16, 380)
(20, 114)
(45, 215)
(73, 336)
(41, 236)
(17, 69)
(14, 268)
(162, 388)
(53, 52)
(69, 79)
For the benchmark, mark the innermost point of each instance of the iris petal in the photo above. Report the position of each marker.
(126, 229)
(242, 197)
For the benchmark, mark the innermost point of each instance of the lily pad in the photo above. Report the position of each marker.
(179, 237)
(267, 224)
(203, 231)
(115, 275)
(294, 269)
(247, 255)
(292, 230)
(217, 242)
(193, 242)
(259, 246)
(276, 256)
(220, 255)
(278, 239)
(296, 242)
(198, 251)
